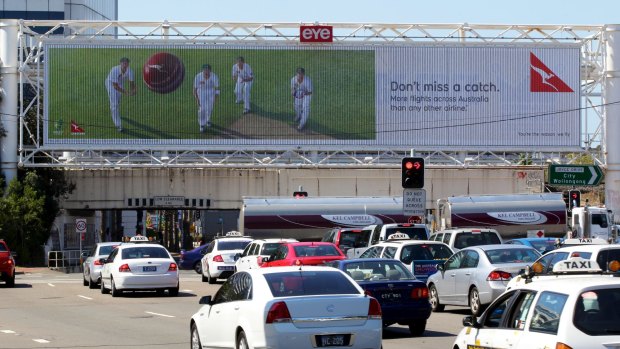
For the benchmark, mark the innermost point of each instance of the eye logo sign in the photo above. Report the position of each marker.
(543, 79)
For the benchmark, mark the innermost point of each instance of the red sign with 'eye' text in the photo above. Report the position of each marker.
(316, 33)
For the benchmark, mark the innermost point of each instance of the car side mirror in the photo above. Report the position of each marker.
(85, 254)
(237, 256)
(205, 300)
(470, 321)
(441, 267)
(103, 260)
(203, 251)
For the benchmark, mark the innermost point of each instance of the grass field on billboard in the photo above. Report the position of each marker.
(343, 101)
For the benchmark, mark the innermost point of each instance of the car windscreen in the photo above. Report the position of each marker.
(543, 246)
(353, 239)
(315, 250)
(309, 283)
(269, 248)
(413, 232)
(232, 245)
(596, 313)
(466, 239)
(377, 270)
(425, 252)
(106, 250)
(3, 248)
(144, 252)
(513, 255)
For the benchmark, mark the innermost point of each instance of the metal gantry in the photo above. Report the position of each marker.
(33, 153)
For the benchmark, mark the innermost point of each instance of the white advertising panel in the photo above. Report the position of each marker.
(427, 96)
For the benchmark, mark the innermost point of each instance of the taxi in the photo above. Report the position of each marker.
(218, 261)
(574, 310)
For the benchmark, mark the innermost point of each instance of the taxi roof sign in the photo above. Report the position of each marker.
(139, 238)
(234, 233)
(399, 236)
(576, 265)
(584, 241)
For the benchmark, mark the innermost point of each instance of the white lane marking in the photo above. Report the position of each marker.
(187, 291)
(42, 341)
(8, 331)
(90, 299)
(51, 285)
(164, 315)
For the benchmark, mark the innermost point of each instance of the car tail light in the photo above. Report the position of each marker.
(368, 293)
(278, 313)
(172, 267)
(124, 268)
(419, 293)
(297, 262)
(97, 262)
(374, 309)
(498, 275)
(218, 258)
(559, 345)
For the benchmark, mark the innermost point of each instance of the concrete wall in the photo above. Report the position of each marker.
(111, 189)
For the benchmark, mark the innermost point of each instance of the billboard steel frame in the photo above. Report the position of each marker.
(32, 153)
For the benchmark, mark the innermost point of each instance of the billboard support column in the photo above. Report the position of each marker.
(611, 111)
(9, 78)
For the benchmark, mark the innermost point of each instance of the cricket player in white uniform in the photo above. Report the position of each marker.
(243, 76)
(206, 90)
(301, 89)
(115, 84)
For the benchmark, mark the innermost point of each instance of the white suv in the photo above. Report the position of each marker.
(219, 259)
(251, 257)
(458, 239)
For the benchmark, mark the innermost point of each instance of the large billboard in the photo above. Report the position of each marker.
(276, 96)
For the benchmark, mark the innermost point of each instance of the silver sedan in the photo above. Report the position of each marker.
(475, 276)
(91, 267)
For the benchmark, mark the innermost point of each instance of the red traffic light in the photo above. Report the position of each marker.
(412, 172)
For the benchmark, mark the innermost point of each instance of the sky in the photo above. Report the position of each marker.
(571, 12)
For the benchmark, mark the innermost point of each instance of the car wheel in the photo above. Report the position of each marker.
(174, 291)
(434, 299)
(204, 278)
(91, 283)
(10, 282)
(84, 281)
(417, 328)
(115, 291)
(198, 267)
(242, 342)
(210, 278)
(474, 302)
(194, 338)
(103, 289)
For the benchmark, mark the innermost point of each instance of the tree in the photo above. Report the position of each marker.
(29, 209)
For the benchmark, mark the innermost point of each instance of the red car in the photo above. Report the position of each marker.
(303, 253)
(7, 265)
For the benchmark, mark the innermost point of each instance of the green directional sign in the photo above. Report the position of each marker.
(575, 175)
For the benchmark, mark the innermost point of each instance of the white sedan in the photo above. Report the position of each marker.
(138, 267)
(288, 307)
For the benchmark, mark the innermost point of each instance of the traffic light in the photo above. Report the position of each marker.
(575, 198)
(300, 194)
(413, 172)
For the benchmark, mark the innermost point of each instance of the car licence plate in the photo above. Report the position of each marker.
(332, 340)
(391, 296)
(227, 268)
(149, 268)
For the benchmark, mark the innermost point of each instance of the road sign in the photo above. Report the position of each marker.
(80, 225)
(414, 202)
(575, 175)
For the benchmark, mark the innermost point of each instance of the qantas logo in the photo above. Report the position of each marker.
(543, 79)
(76, 129)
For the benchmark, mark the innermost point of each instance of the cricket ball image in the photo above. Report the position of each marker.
(163, 72)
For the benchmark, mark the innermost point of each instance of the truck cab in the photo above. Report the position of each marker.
(591, 222)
